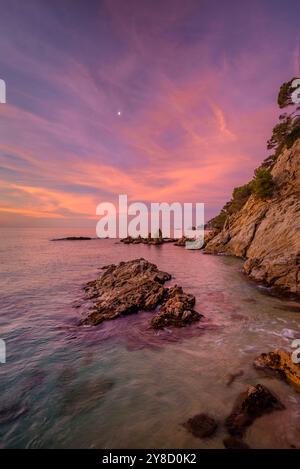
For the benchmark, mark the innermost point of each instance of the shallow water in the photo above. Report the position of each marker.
(121, 384)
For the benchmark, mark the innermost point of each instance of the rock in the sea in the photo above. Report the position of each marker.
(73, 238)
(125, 288)
(235, 443)
(138, 285)
(201, 425)
(253, 403)
(279, 362)
(177, 310)
(169, 240)
(265, 232)
(149, 240)
(182, 241)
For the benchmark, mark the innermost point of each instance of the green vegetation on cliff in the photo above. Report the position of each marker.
(287, 131)
(262, 186)
(240, 196)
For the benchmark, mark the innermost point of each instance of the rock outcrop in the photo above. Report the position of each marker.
(156, 241)
(281, 364)
(138, 285)
(140, 240)
(181, 242)
(177, 310)
(266, 232)
(251, 404)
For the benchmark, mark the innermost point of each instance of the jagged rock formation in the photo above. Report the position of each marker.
(266, 232)
(250, 405)
(149, 240)
(137, 285)
(176, 310)
(181, 242)
(279, 362)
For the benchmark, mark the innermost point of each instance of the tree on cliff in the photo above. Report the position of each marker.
(287, 93)
(262, 184)
(240, 195)
(286, 132)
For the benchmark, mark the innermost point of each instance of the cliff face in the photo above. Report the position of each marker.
(267, 232)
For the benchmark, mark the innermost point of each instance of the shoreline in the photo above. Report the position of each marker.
(264, 287)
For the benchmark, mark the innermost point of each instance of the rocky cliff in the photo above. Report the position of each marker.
(266, 233)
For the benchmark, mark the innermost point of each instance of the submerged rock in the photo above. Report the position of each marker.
(12, 412)
(83, 397)
(138, 285)
(233, 376)
(250, 405)
(235, 443)
(201, 425)
(177, 310)
(279, 362)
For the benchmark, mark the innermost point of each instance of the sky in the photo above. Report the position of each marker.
(162, 100)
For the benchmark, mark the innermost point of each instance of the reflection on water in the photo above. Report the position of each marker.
(121, 384)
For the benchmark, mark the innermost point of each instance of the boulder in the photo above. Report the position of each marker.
(281, 364)
(182, 241)
(177, 310)
(137, 285)
(201, 425)
(125, 288)
(253, 403)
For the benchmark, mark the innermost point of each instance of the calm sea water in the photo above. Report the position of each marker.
(120, 384)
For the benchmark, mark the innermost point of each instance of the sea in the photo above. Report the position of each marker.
(122, 384)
